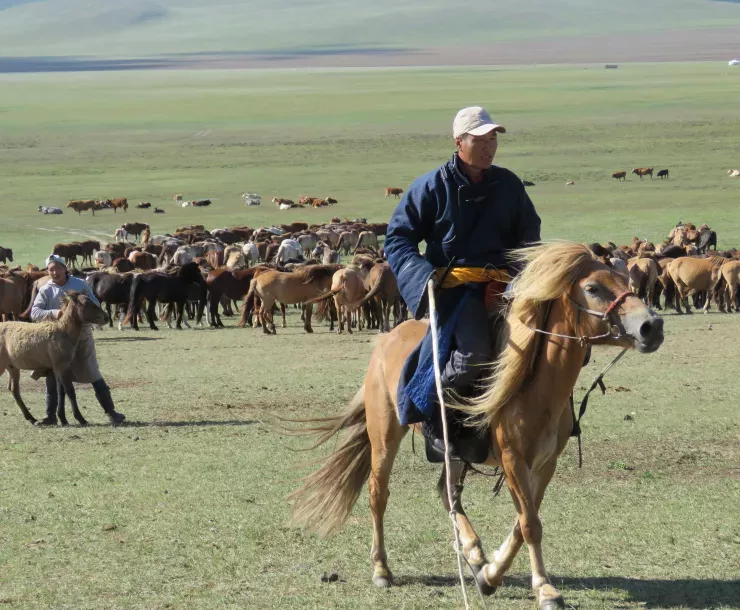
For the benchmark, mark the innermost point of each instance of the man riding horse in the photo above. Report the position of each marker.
(470, 213)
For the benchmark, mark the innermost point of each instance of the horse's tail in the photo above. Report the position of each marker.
(26, 315)
(136, 287)
(669, 291)
(325, 500)
(326, 295)
(373, 291)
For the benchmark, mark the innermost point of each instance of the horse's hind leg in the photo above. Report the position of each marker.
(385, 438)
(14, 385)
(471, 544)
(61, 414)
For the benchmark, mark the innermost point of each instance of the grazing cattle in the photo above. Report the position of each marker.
(177, 197)
(347, 290)
(185, 204)
(280, 202)
(299, 286)
(143, 205)
(391, 190)
(47, 210)
(733, 173)
(117, 204)
(330, 200)
(133, 228)
(201, 203)
(83, 205)
(620, 176)
(251, 199)
(158, 211)
(643, 171)
(6, 254)
(663, 173)
(570, 183)
(158, 286)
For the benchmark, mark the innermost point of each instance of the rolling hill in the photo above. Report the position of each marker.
(141, 28)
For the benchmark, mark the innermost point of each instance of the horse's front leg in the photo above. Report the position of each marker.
(527, 489)
(307, 323)
(65, 386)
(471, 544)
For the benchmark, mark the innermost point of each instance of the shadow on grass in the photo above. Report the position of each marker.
(125, 339)
(195, 424)
(682, 592)
(679, 593)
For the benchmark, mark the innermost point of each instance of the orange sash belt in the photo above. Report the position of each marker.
(462, 275)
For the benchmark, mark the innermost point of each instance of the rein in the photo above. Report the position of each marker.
(614, 333)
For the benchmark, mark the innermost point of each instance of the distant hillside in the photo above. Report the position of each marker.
(139, 28)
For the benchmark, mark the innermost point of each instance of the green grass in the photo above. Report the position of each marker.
(141, 27)
(185, 506)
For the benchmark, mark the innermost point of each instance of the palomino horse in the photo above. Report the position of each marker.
(572, 300)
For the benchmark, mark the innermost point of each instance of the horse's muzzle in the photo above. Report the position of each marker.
(646, 330)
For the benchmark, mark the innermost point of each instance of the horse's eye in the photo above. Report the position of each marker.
(592, 289)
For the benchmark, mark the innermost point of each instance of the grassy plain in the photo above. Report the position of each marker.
(184, 506)
(139, 28)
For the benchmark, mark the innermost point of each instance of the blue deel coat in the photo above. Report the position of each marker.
(464, 224)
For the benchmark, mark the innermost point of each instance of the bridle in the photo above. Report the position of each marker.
(613, 331)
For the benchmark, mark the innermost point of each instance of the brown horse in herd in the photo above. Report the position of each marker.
(562, 301)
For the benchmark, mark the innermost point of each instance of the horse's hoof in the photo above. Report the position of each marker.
(82, 423)
(45, 423)
(382, 582)
(485, 588)
(552, 604)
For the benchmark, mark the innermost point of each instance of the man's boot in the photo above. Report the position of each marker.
(434, 437)
(102, 393)
(51, 402)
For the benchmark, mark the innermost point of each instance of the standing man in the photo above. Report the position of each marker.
(47, 306)
(470, 213)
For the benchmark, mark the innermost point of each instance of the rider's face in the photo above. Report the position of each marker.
(477, 151)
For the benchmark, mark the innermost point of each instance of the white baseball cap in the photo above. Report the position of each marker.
(476, 121)
(53, 258)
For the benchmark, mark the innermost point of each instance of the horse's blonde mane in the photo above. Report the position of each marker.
(550, 269)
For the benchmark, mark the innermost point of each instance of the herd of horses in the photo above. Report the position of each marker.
(194, 269)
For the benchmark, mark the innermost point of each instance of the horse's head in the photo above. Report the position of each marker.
(83, 308)
(606, 306)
